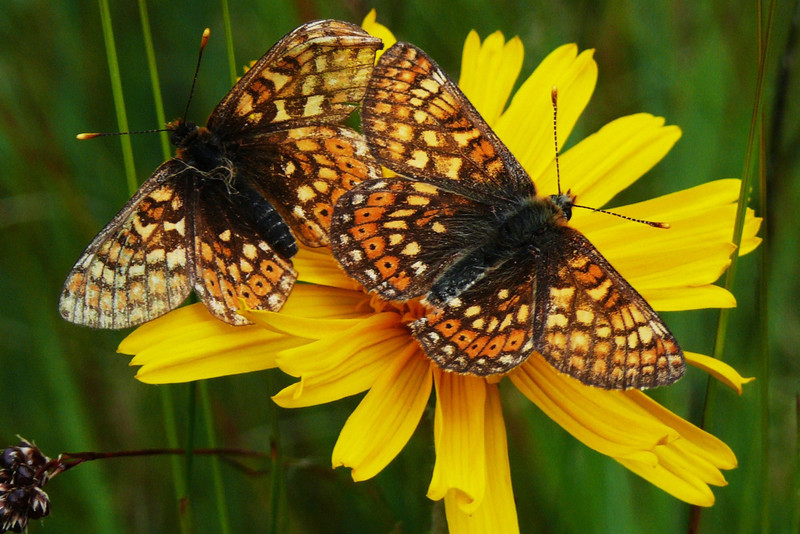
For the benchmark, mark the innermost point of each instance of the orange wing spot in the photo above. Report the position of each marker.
(599, 368)
(271, 270)
(494, 346)
(577, 362)
(206, 253)
(387, 266)
(75, 282)
(353, 166)
(515, 340)
(322, 159)
(381, 199)
(307, 145)
(339, 147)
(475, 348)
(463, 338)
(258, 285)
(367, 215)
(364, 231)
(374, 247)
(449, 327)
(400, 282)
(211, 281)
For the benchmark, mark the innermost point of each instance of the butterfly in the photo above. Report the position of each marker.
(502, 272)
(218, 217)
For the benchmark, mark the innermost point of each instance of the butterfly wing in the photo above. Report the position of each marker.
(487, 329)
(241, 251)
(135, 268)
(591, 324)
(396, 236)
(315, 74)
(309, 167)
(418, 123)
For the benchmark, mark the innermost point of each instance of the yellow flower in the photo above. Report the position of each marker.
(341, 342)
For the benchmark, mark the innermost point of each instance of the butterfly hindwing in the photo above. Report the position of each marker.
(591, 324)
(419, 124)
(315, 165)
(236, 256)
(485, 330)
(395, 235)
(135, 268)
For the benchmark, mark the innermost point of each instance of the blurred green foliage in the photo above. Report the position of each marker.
(64, 387)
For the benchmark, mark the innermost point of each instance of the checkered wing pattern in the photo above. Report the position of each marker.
(418, 123)
(135, 268)
(591, 324)
(485, 330)
(395, 236)
(315, 74)
(238, 256)
(312, 167)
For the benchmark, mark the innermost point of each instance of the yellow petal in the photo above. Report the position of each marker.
(497, 512)
(526, 127)
(686, 488)
(189, 344)
(688, 298)
(459, 440)
(383, 422)
(488, 72)
(600, 419)
(378, 30)
(719, 370)
(707, 446)
(317, 266)
(605, 163)
(339, 373)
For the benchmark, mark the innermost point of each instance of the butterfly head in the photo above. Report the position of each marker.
(565, 202)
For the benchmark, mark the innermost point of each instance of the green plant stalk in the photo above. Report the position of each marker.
(154, 81)
(216, 471)
(741, 212)
(226, 17)
(764, 359)
(119, 98)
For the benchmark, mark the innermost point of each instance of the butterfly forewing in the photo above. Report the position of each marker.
(135, 268)
(395, 236)
(505, 275)
(419, 124)
(591, 324)
(217, 218)
(315, 74)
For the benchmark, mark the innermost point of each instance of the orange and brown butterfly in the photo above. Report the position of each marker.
(501, 270)
(217, 217)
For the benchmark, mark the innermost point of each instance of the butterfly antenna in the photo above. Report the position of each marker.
(203, 42)
(92, 135)
(554, 98)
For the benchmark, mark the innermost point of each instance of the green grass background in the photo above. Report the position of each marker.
(64, 387)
